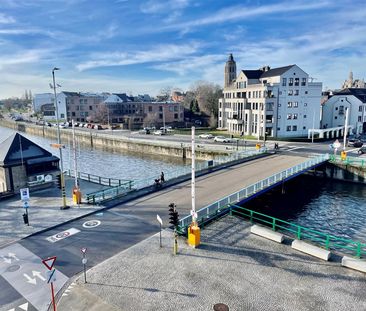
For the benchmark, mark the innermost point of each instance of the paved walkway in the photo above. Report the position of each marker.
(44, 211)
(231, 266)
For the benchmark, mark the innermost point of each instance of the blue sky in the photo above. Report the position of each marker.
(143, 46)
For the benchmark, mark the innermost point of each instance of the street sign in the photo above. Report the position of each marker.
(84, 261)
(51, 276)
(83, 250)
(49, 262)
(194, 214)
(159, 219)
(24, 194)
(26, 204)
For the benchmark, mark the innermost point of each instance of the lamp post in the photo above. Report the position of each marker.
(63, 193)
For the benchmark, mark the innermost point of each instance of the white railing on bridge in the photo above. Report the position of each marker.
(216, 207)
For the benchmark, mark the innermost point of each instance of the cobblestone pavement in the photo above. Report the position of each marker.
(231, 266)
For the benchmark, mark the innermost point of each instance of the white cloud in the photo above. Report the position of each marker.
(158, 6)
(157, 54)
(20, 58)
(6, 19)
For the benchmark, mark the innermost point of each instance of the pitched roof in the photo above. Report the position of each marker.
(252, 74)
(124, 97)
(360, 93)
(17, 149)
(71, 93)
(276, 71)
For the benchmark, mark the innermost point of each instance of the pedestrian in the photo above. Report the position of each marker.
(162, 179)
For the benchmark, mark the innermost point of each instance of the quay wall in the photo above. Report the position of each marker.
(99, 140)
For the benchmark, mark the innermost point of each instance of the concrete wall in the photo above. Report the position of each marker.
(98, 140)
(20, 178)
(4, 181)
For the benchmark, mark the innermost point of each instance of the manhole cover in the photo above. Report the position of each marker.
(220, 307)
(13, 268)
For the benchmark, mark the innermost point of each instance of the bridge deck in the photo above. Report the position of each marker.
(212, 187)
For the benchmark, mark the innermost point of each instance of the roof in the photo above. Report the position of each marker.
(360, 93)
(260, 73)
(71, 93)
(124, 97)
(276, 71)
(17, 149)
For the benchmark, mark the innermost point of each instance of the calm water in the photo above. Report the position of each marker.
(122, 165)
(334, 207)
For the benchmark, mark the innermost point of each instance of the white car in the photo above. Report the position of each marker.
(222, 139)
(159, 132)
(206, 136)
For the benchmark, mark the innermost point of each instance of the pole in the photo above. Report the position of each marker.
(84, 267)
(345, 130)
(74, 152)
(63, 194)
(26, 211)
(193, 183)
(312, 133)
(53, 297)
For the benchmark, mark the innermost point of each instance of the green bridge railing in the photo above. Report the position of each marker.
(327, 241)
(106, 181)
(354, 161)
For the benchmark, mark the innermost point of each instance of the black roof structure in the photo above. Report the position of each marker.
(261, 73)
(360, 93)
(16, 150)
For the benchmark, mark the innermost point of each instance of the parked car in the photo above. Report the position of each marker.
(362, 150)
(159, 132)
(355, 143)
(222, 139)
(145, 131)
(206, 136)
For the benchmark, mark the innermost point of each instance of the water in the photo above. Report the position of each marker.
(121, 165)
(333, 207)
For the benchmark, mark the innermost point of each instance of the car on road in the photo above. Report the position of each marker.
(206, 136)
(222, 139)
(362, 150)
(145, 131)
(159, 132)
(355, 143)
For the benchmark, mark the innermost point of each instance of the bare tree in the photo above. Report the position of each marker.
(165, 93)
(151, 119)
(101, 114)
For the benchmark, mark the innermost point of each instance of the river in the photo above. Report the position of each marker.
(333, 207)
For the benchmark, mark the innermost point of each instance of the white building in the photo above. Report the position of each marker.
(45, 104)
(281, 98)
(334, 109)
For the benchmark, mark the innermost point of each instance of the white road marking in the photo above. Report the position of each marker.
(352, 150)
(24, 306)
(294, 148)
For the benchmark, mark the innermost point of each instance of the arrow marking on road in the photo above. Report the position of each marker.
(29, 279)
(12, 255)
(38, 275)
(6, 259)
(24, 306)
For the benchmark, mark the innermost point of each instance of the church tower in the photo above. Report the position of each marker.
(230, 70)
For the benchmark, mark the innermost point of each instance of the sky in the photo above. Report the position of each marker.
(141, 47)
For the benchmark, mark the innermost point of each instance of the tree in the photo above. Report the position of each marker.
(101, 114)
(151, 119)
(165, 93)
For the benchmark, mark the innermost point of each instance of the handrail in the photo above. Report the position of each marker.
(106, 181)
(347, 161)
(214, 209)
(325, 240)
(100, 196)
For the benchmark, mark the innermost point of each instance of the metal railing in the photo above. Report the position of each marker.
(214, 209)
(106, 181)
(354, 161)
(327, 241)
(128, 186)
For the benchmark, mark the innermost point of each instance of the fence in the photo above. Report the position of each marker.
(214, 209)
(327, 241)
(348, 161)
(111, 182)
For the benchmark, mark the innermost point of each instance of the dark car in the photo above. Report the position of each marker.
(362, 150)
(358, 144)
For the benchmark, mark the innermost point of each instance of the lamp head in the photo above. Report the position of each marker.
(55, 68)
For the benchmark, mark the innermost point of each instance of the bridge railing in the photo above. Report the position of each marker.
(329, 242)
(128, 186)
(348, 160)
(106, 181)
(214, 209)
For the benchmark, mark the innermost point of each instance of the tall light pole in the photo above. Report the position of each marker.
(63, 193)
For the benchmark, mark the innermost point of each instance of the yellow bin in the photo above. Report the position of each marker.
(194, 235)
(76, 196)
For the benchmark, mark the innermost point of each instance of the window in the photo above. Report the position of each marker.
(295, 104)
(171, 108)
(297, 81)
(90, 107)
(335, 117)
(294, 128)
(304, 116)
(290, 92)
(360, 109)
(289, 105)
(303, 81)
(288, 128)
(306, 92)
(304, 127)
(294, 116)
(160, 115)
(175, 108)
(296, 92)
(305, 104)
(176, 116)
(291, 82)
(289, 116)
(278, 129)
(160, 108)
(73, 114)
(359, 119)
(284, 81)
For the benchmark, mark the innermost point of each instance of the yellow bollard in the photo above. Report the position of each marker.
(343, 155)
(257, 146)
(194, 235)
(76, 195)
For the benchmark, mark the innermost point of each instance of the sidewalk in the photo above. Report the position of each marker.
(43, 212)
(231, 266)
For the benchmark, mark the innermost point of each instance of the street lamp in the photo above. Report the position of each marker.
(63, 194)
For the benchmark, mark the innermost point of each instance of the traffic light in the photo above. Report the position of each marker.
(173, 215)
(58, 181)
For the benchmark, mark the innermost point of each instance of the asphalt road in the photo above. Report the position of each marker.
(114, 230)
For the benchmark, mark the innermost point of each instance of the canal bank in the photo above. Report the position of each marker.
(99, 140)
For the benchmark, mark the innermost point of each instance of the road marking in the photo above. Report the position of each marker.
(352, 150)
(294, 148)
(62, 235)
(91, 223)
(24, 306)
(30, 270)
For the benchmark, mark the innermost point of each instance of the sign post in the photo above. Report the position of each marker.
(24, 196)
(51, 276)
(161, 223)
(84, 261)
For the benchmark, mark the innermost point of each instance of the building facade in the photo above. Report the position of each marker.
(334, 109)
(278, 102)
(353, 83)
(44, 104)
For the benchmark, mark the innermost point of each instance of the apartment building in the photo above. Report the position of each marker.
(278, 102)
